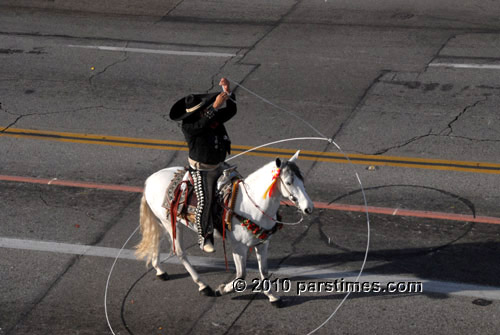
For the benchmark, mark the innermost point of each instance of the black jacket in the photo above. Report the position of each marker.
(207, 137)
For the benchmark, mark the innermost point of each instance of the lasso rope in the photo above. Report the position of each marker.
(278, 107)
(109, 277)
(323, 138)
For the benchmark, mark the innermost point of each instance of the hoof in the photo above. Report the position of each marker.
(278, 303)
(164, 276)
(208, 292)
(220, 290)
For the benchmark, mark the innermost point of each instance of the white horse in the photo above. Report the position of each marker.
(251, 203)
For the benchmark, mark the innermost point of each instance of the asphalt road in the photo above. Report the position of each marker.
(409, 91)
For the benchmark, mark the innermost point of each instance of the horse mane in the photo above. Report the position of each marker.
(284, 165)
(295, 169)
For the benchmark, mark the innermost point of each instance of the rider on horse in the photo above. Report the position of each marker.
(203, 127)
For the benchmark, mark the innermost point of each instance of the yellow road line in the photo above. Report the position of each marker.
(376, 160)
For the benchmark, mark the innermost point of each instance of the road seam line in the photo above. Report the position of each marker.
(154, 51)
(317, 204)
(434, 286)
(467, 66)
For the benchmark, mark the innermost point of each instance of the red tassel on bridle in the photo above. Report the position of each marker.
(270, 190)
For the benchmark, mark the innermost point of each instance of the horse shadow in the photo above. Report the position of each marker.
(469, 263)
(465, 263)
(295, 300)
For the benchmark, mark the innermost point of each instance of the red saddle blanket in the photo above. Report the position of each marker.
(180, 194)
(181, 200)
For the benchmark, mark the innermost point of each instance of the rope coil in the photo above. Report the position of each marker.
(331, 141)
(322, 138)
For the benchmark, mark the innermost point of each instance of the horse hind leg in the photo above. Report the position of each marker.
(203, 288)
(160, 273)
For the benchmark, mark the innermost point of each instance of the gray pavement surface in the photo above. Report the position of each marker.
(385, 78)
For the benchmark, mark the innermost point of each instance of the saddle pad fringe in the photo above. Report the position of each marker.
(228, 211)
(170, 192)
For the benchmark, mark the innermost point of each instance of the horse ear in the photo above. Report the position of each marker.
(278, 163)
(295, 157)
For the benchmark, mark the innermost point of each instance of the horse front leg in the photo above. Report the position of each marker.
(261, 254)
(240, 252)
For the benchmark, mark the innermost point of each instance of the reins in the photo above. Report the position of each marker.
(267, 215)
(322, 138)
(331, 141)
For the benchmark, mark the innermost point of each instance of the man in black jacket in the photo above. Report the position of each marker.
(203, 127)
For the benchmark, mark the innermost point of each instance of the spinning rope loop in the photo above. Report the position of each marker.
(330, 140)
(322, 138)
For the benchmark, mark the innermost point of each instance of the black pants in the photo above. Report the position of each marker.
(204, 186)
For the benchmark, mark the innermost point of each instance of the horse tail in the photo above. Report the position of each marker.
(151, 231)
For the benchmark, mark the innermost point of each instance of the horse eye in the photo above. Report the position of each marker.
(289, 183)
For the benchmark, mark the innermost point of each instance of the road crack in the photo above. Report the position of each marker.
(13, 123)
(124, 59)
(21, 116)
(164, 17)
(359, 104)
(411, 140)
(446, 132)
(449, 130)
(2, 131)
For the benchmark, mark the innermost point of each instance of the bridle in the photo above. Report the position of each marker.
(290, 197)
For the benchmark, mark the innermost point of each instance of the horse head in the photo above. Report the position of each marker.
(291, 184)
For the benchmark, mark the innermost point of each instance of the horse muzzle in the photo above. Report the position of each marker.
(308, 210)
(306, 206)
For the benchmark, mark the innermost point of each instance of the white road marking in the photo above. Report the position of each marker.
(435, 286)
(467, 66)
(155, 51)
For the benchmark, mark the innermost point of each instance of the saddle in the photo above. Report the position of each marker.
(181, 200)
